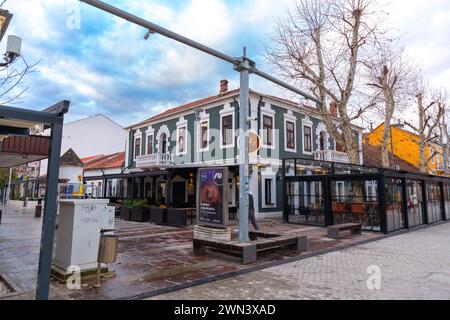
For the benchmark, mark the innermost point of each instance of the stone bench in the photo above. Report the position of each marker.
(333, 232)
(248, 252)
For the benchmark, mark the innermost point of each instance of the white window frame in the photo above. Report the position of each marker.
(200, 137)
(261, 133)
(137, 135)
(182, 124)
(289, 117)
(150, 133)
(307, 123)
(269, 176)
(225, 113)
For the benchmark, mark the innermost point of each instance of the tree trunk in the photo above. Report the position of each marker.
(422, 143)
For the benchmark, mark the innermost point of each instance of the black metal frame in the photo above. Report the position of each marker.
(53, 118)
(379, 175)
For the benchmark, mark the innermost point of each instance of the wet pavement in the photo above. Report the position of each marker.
(151, 258)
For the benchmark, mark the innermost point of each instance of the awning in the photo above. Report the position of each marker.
(18, 147)
(127, 175)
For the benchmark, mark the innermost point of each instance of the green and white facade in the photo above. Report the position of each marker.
(164, 152)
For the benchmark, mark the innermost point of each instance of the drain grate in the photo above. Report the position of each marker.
(5, 288)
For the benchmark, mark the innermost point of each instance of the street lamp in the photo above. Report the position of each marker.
(14, 44)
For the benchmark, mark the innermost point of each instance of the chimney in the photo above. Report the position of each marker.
(223, 86)
(333, 110)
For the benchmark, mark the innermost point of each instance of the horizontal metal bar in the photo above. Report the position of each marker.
(283, 84)
(177, 37)
(162, 31)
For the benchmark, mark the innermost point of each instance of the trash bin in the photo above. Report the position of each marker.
(38, 210)
(108, 248)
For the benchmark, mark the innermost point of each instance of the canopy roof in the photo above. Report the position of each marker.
(17, 146)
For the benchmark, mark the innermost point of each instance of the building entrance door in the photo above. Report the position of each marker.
(179, 193)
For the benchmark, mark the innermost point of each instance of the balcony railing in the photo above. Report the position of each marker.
(331, 155)
(156, 160)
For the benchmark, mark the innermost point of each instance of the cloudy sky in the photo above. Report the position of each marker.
(106, 66)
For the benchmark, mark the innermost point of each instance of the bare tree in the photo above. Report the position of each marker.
(390, 74)
(444, 132)
(321, 45)
(430, 111)
(12, 81)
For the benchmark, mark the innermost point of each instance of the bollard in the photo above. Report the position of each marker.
(0, 216)
(38, 210)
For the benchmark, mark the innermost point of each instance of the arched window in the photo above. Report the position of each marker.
(322, 141)
(163, 143)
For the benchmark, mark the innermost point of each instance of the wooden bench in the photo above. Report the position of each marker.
(248, 252)
(334, 231)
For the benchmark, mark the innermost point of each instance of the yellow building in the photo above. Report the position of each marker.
(406, 147)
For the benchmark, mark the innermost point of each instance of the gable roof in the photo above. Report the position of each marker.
(372, 157)
(89, 159)
(70, 158)
(116, 160)
(415, 135)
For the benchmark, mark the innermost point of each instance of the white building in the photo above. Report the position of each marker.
(91, 136)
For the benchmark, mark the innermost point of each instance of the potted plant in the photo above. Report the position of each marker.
(158, 213)
(140, 211)
(125, 209)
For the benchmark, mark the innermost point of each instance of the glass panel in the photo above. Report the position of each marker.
(356, 202)
(394, 214)
(150, 145)
(353, 169)
(447, 200)
(311, 168)
(305, 203)
(414, 198)
(181, 139)
(307, 140)
(227, 130)
(434, 203)
(290, 135)
(137, 147)
(267, 130)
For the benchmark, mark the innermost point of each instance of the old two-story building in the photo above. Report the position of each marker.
(405, 145)
(165, 151)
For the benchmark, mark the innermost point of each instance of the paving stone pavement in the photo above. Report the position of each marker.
(414, 265)
(150, 257)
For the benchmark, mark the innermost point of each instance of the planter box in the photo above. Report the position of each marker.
(358, 207)
(140, 214)
(125, 213)
(177, 217)
(339, 207)
(158, 215)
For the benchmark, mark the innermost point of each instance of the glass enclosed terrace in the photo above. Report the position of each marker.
(321, 193)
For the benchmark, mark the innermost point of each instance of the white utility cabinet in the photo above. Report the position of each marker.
(78, 237)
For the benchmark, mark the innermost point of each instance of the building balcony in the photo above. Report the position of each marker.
(156, 160)
(331, 155)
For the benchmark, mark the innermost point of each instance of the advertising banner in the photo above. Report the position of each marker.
(212, 203)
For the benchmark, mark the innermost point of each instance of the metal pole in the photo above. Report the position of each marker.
(243, 147)
(8, 190)
(48, 225)
(174, 36)
(162, 31)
